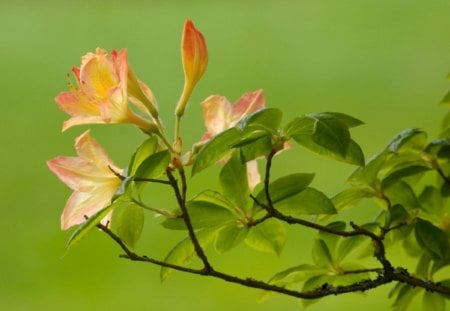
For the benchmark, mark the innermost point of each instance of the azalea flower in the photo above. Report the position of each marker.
(220, 115)
(195, 59)
(102, 91)
(92, 176)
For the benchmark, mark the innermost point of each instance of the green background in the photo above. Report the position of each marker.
(384, 62)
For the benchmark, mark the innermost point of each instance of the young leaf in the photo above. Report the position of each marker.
(285, 187)
(128, 222)
(233, 181)
(431, 201)
(86, 227)
(432, 239)
(184, 251)
(368, 174)
(408, 139)
(216, 149)
(405, 171)
(269, 237)
(395, 215)
(267, 119)
(203, 214)
(310, 201)
(321, 254)
(155, 165)
(215, 198)
(399, 192)
(146, 149)
(296, 274)
(348, 246)
(405, 294)
(350, 197)
(346, 119)
(431, 301)
(331, 240)
(229, 237)
(258, 148)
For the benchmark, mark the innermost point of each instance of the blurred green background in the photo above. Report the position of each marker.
(382, 61)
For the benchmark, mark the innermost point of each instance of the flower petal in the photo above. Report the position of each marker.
(247, 104)
(253, 176)
(216, 114)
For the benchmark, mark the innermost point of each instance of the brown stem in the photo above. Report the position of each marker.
(181, 199)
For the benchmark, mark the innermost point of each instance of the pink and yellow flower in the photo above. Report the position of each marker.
(90, 175)
(102, 92)
(219, 115)
(195, 59)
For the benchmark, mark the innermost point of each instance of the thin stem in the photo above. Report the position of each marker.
(152, 209)
(154, 180)
(181, 198)
(269, 205)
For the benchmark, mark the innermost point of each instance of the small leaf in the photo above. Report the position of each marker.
(285, 187)
(423, 266)
(146, 149)
(267, 119)
(233, 181)
(399, 192)
(216, 149)
(368, 174)
(128, 222)
(86, 227)
(203, 215)
(395, 215)
(184, 251)
(408, 139)
(258, 148)
(348, 245)
(346, 119)
(269, 237)
(300, 126)
(250, 137)
(321, 254)
(432, 239)
(435, 146)
(314, 283)
(155, 165)
(310, 201)
(349, 198)
(404, 172)
(215, 198)
(296, 274)
(330, 134)
(431, 201)
(405, 294)
(330, 239)
(229, 237)
(432, 301)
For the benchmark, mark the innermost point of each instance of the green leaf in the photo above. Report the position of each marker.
(128, 223)
(258, 148)
(326, 134)
(346, 119)
(184, 251)
(146, 149)
(310, 201)
(432, 301)
(349, 245)
(431, 201)
(423, 266)
(250, 137)
(405, 295)
(269, 237)
(435, 146)
(229, 237)
(285, 187)
(314, 283)
(330, 239)
(404, 172)
(432, 239)
(349, 198)
(233, 181)
(296, 274)
(408, 139)
(399, 192)
(216, 149)
(154, 165)
(267, 119)
(321, 254)
(214, 197)
(395, 215)
(445, 102)
(82, 230)
(203, 214)
(368, 174)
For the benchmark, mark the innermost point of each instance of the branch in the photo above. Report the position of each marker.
(181, 199)
(399, 274)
